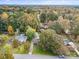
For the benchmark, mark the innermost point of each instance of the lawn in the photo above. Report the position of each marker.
(37, 50)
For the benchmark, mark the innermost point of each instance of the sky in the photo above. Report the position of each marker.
(39, 2)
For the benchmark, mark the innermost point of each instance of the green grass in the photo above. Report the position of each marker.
(37, 50)
(20, 50)
(73, 53)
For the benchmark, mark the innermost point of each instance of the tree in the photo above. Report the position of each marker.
(14, 22)
(1, 11)
(29, 19)
(75, 30)
(10, 30)
(52, 16)
(65, 23)
(74, 27)
(76, 20)
(52, 42)
(32, 21)
(17, 22)
(46, 41)
(57, 27)
(29, 10)
(4, 16)
(43, 17)
(3, 26)
(30, 33)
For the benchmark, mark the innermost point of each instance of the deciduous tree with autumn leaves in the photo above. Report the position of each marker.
(10, 30)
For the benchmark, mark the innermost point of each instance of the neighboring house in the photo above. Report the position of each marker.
(21, 38)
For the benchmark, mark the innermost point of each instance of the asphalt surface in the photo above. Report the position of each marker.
(26, 56)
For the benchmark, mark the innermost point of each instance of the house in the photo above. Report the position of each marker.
(21, 38)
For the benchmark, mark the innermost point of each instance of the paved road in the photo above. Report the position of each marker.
(25, 56)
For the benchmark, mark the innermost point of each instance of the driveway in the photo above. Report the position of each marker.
(25, 56)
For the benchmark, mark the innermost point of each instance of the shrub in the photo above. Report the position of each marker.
(8, 52)
(1, 55)
(26, 45)
(21, 49)
(4, 39)
(15, 43)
